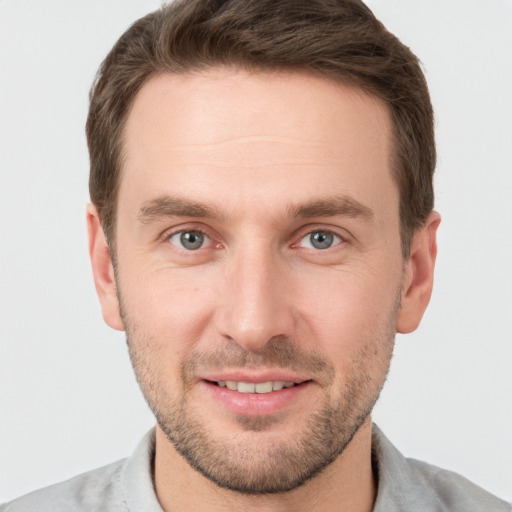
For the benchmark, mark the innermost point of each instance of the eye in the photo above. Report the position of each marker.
(189, 240)
(320, 240)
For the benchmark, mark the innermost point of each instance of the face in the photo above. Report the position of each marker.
(259, 269)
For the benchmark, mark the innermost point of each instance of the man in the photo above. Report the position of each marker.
(262, 225)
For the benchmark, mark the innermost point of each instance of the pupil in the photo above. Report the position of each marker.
(321, 240)
(192, 240)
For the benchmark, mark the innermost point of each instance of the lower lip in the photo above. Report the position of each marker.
(255, 404)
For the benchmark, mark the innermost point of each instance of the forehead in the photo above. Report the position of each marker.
(267, 134)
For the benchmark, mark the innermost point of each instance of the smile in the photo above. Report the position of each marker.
(251, 387)
(262, 397)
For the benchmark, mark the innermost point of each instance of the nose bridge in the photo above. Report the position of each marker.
(255, 308)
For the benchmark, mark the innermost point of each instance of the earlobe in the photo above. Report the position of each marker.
(419, 276)
(103, 270)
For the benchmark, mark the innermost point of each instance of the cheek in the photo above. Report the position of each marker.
(347, 299)
(351, 315)
(168, 308)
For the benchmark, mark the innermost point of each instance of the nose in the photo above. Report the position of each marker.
(255, 303)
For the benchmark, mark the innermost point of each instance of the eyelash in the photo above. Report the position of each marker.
(310, 231)
(193, 229)
(340, 240)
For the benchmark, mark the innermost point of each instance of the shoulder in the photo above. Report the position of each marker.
(119, 487)
(99, 489)
(409, 485)
(454, 491)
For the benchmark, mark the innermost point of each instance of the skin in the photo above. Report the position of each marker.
(280, 141)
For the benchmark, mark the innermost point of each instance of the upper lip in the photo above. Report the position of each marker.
(256, 377)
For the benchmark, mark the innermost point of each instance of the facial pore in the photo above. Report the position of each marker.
(279, 465)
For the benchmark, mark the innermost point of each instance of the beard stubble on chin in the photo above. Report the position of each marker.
(247, 462)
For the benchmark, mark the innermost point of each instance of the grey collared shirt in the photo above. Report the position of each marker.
(404, 485)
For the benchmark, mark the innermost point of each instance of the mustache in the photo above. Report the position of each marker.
(278, 352)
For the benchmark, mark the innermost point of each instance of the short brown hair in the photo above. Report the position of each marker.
(336, 39)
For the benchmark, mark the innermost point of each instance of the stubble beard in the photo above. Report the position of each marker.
(261, 467)
(276, 465)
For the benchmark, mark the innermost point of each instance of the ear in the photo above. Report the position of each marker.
(103, 270)
(419, 275)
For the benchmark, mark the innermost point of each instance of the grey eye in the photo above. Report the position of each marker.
(190, 240)
(320, 240)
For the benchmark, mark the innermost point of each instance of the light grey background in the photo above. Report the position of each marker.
(68, 400)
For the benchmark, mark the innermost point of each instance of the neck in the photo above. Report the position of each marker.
(346, 485)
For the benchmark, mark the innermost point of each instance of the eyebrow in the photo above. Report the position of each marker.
(167, 206)
(331, 207)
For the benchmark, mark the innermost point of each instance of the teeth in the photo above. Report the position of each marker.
(250, 387)
(263, 387)
(246, 387)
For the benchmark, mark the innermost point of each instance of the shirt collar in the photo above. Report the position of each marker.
(137, 477)
(400, 487)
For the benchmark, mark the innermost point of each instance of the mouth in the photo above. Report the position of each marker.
(255, 387)
(265, 397)
(257, 393)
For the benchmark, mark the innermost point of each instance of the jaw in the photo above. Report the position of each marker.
(347, 482)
